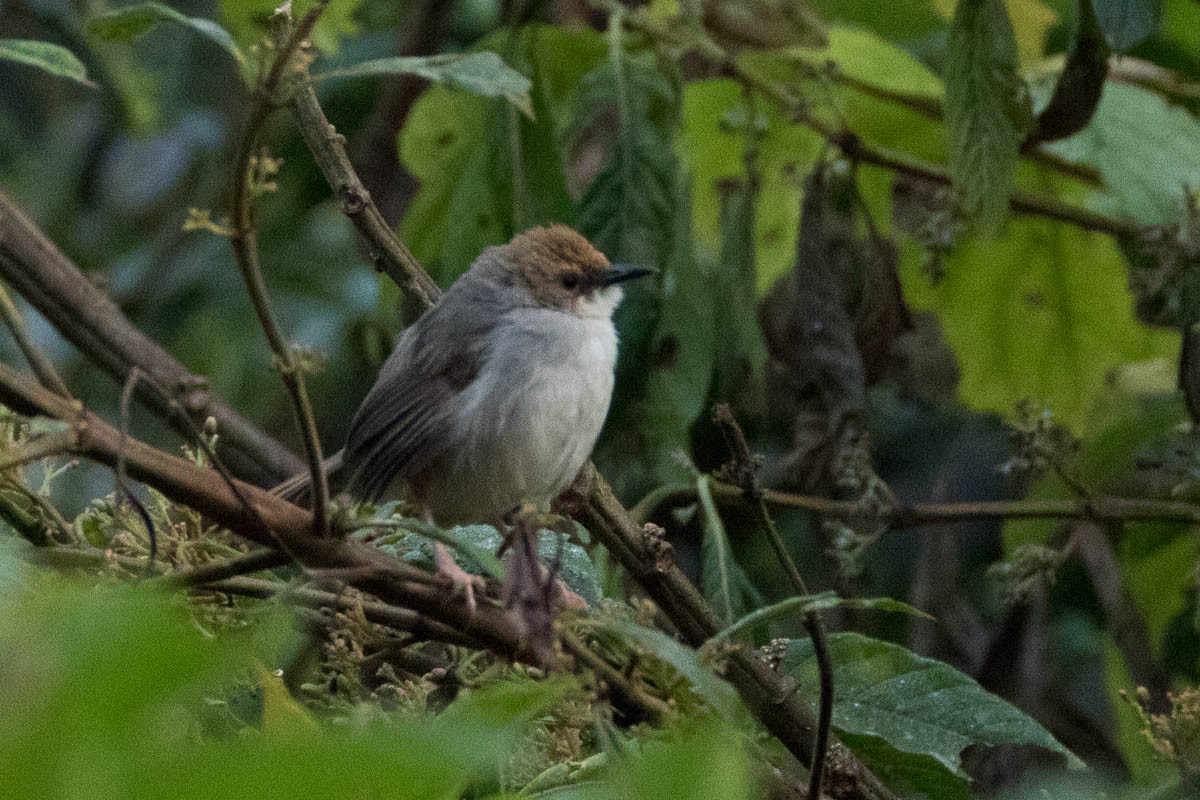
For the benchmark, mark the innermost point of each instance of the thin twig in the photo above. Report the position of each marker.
(244, 239)
(122, 491)
(745, 468)
(649, 708)
(400, 619)
(906, 516)
(35, 448)
(858, 150)
(931, 108)
(220, 570)
(40, 365)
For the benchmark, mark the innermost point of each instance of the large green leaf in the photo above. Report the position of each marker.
(1042, 312)
(104, 690)
(681, 353)
(45, 56)
(741, 352)
(483, 74)
(636, 211)
(987, 108)
(1147, 151)
(696, 762)
(485, 174)
(908, 774)
(627, 209)
(706, 761)
(125, 23)
(916, 704)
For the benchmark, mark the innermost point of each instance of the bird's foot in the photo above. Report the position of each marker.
(462, 582)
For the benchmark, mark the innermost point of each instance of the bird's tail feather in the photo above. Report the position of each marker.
(298, 488)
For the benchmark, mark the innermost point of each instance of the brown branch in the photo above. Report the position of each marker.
(1124, 621)
(328, 148)
(768, 694)
(914, 515)
(932, 109)
(360, 565)
(87, 318)
(244, 239)
(400, 619)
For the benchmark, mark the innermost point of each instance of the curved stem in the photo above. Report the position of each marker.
(245, 247)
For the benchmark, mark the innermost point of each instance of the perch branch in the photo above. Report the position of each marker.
(400, 619)
(290, 527)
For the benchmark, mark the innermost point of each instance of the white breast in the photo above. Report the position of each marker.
(530, 419)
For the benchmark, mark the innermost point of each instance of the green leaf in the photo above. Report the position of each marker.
(126, 23)
(676, 383)
(470, 195)
(249, 20)
(741, 352)
(726, 586)
(916, 704)
(687, 662)
(1127, 23)
(105, 687)
(47, 57)
(707, 761)
(634, 211)
(987, 107)
(467, 541)
(627, 210)
(1049, 315)
(483, 74)
(805, 604)
(1147, 152)
(908, 774)
(871, 60)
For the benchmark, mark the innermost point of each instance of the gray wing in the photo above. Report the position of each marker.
(403, 426)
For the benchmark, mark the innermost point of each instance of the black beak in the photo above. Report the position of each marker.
(618, 273)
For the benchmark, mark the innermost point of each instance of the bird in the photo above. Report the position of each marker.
(495, 396)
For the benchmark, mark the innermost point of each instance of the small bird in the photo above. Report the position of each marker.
(495, 396)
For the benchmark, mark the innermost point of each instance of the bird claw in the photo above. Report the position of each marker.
(460, 580)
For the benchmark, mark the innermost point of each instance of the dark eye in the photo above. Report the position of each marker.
(570, 282)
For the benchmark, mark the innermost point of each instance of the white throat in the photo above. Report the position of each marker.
(601, 304)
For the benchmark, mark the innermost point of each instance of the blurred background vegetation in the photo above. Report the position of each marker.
(878, 334)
